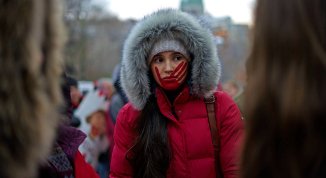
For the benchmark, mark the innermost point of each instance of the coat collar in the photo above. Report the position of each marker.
(164, 104)
(69, 139)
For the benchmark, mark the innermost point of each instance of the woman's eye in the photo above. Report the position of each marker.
(178, 57)
(158, 60)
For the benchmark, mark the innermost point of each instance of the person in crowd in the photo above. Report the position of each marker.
(106, 87)
(96, 141)
(75, 93)
(232, 88)
(119, 98)
(76, 98)
(235, 91)
(285, 94)
(96, 123)
(169, 66)
(31, 41)
(65, 160)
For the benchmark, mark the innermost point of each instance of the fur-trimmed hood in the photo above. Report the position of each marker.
(205, 69)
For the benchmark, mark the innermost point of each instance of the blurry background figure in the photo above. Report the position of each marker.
(76, 97)
(75, 93)
(65, 160)
(31, 41)
(105, 86)
(232, 88)
(235, 91)
(97, 150)
(106, 89)
(97, 141)
(119, 98)
(91, 102)
(285, 100)
(85, 86)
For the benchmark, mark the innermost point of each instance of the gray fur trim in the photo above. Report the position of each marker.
(168, 24)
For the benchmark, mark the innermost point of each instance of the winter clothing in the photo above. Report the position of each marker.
(93, 147)
(167, 45)
(171, 24)
(65, 159)
(98, 145)
(187, 126)
(82, 169)
(189, 136)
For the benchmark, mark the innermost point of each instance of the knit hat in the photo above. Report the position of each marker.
(164, 45)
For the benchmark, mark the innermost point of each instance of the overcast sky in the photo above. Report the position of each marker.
(239, 10)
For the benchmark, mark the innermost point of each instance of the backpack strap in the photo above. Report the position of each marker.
(214, 128)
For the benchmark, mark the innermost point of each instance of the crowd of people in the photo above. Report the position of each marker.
(165, 112)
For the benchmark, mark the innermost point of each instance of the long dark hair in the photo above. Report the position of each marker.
(285, 94)
(150, 155)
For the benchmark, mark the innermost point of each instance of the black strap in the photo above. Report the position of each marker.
(213, 125)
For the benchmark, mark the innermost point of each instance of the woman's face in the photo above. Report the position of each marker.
(169, 69)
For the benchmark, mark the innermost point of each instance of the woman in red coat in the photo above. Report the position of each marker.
(169, 66)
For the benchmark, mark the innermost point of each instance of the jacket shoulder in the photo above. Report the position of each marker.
(226, 106)
(223, 98)
(128, 115)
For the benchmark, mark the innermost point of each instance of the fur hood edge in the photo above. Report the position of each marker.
(205, 68)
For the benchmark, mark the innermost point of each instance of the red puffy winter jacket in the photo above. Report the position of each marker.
(189, 137)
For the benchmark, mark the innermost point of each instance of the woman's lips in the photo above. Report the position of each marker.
(170, 78)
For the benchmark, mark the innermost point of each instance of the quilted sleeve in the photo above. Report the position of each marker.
(124, 136)
(231, 132)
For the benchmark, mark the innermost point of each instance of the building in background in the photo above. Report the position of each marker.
(195, 7)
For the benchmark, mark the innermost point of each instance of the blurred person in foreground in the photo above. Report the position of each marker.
(31, 75)
(169, 66)
(31, 41)
(285, 96)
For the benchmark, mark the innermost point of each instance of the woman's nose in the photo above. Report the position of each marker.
(168, 67)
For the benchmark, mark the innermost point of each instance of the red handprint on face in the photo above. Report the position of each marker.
(175, 79)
